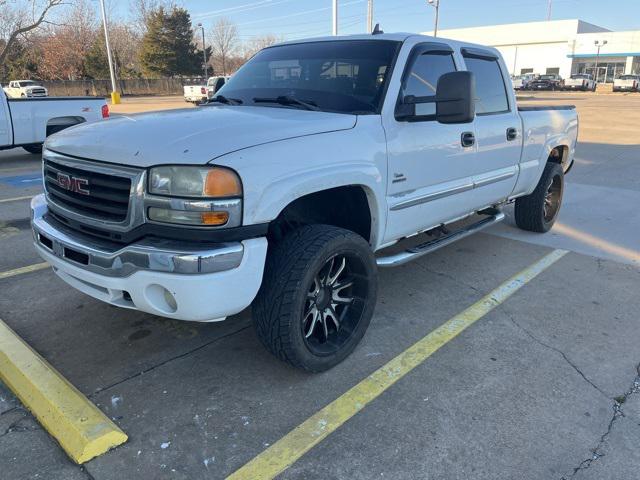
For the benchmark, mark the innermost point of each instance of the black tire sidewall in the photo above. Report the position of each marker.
(292, 263)
(550, 172)
(310, 360)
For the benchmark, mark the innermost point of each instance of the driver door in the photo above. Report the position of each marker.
(430, 170)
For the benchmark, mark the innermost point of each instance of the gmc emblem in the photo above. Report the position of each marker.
(73, 184)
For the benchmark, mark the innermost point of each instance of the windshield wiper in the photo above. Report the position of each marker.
(226, 101)
(288, 101)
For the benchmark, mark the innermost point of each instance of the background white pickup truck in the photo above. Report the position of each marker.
(25, 89)
(521, 82)
(204, 93)
(580, 81)
(629, 83)
(332, 157)
(27, 122)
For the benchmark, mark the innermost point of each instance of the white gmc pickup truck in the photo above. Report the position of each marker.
(27, 122)
(318, 162)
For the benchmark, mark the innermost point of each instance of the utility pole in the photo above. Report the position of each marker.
(599, 44)
(549, 5)
(335, 17)
(115, 96)
(370, 16)
(204, 52)
(435, 4)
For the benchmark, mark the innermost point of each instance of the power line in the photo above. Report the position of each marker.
(240, 8)
(297, 14)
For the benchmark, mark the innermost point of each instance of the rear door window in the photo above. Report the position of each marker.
(491, 92)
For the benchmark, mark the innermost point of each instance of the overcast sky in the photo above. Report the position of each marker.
(300, 18)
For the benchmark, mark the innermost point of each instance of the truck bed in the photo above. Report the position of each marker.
(537, 108)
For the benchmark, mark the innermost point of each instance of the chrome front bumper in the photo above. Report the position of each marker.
(114, 260)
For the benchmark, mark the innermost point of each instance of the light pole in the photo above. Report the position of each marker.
(599, 44)
(370, 16)
(335, 17)
(115, 96)
(204, 52)
(435, 4)
(549, 5)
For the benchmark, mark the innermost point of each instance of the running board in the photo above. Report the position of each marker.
(418, 251)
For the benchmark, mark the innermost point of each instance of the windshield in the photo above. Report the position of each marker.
(27, 84)
(334, 76)
(547, 77)
(577, 77)
(629, 77)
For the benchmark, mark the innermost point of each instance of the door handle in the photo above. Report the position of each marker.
(512, 134)
(467, 139)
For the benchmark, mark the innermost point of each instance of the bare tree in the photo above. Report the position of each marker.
(224, 44)
(260, 42)
(20, 17)
(65, 46)
(142, 9)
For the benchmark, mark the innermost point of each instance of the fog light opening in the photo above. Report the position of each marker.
(161, 299)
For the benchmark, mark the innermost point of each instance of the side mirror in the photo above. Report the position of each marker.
(455, 98)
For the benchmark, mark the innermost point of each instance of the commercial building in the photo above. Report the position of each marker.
(559, 46)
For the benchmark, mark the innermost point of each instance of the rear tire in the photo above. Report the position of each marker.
(538, 211)
(317, 296)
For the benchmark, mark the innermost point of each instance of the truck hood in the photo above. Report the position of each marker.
(190, 136)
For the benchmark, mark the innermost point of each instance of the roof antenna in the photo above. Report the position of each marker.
(376, 30)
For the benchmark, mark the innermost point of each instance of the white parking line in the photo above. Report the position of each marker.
(15, 199)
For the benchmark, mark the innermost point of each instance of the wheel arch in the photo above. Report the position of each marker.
(55, 124)
(351, 206)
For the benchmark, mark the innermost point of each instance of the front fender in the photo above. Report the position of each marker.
(276, 174)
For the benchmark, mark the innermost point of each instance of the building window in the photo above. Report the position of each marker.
(553, 71)
(607, 71)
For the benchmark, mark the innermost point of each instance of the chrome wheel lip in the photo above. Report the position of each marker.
(332, 310)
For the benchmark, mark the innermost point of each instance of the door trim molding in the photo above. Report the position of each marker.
(432, 196)
(429, 197)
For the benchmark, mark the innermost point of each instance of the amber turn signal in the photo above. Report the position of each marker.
(214, 218)
(222, 182)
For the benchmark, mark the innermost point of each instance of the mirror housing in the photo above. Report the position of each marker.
(455, 97)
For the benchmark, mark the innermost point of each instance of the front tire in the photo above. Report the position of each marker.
(538, 211)
(317, 296)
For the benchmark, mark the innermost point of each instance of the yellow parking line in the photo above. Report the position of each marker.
(15, 199)
(83, 431)
(21, 270)
(286, 451)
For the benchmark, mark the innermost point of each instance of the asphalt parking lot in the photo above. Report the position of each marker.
(546, 385)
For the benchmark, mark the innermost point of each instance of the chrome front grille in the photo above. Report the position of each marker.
(105, 197)
(95, 194)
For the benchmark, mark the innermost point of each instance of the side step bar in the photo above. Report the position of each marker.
(418, 251)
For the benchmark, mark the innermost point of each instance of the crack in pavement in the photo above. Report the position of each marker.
(165, 362)
(12, 409)
(16, 427)
(618, 412)
(447, 276)
(618, 402)
(557, 350)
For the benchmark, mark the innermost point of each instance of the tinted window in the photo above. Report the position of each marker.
(491, 94)
(422, 79)
(338, 76)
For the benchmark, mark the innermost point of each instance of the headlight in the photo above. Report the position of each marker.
(197, 196)
(198, 182)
